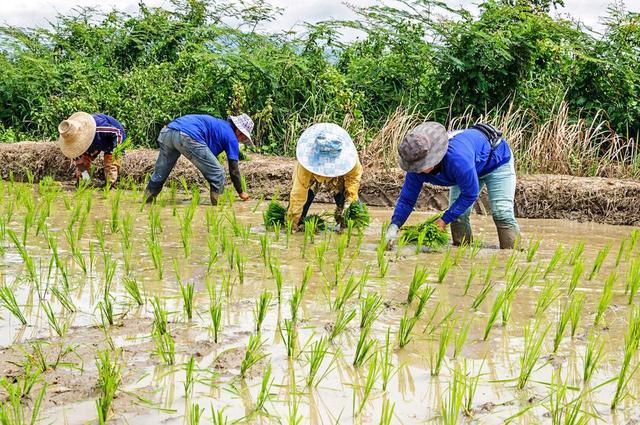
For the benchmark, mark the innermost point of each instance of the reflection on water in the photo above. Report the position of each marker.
(418, 396)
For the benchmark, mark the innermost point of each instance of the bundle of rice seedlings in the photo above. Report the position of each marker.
(358, 213)
(275, 213)
(426, 234)
(321, 222)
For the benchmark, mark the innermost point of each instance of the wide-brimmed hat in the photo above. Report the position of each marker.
(327, 150)
(76, 134)
(423, 147)
(244, 123)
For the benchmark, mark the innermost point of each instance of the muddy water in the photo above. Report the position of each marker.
(152, 392)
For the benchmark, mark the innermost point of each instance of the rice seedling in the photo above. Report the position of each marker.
(387, 412)
(59, 326)
(194, 414)
(418, 279)
(275, 213)
(187, 292)
(553, 263)
(405, 329)
(473, 271)
(575, 312)
(165, 347)
(345, 292)
(218, 417)
(605, 298)
(372, 377)
(155, 251)
(426, 234)
(493, 313)
(532, 249)
(563, 320)
(64, 298)
(597, 264)
(295, 300)
(631, 341)
(425, 296)
(160, 317)
(315, 357)
(365, 348)
(358, 214)
(370, 309)
(443, 342)
(575, 253)
(576, 274)
(109, 379)
(290, 336)
(383, 262)
(482, 295)
(276, 272)
(188, 376)
(114, 223)
(265, 389)
(261, 308)
(560, 410)
(453, 401)
(633, 280)
(533, 340)
(547, 296)
(364, 277)
(592, 356)
(9, 302)
(133, 289)
(342, 321)
(253, 354)
(27, 259)
(460, 337)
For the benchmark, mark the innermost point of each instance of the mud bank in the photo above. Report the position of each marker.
(596, 199)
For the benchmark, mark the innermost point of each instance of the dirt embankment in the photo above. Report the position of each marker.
(601, 200)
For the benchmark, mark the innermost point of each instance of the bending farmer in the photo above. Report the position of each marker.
(465, 160)
(84, 136)
(201, 138)
(326, 157)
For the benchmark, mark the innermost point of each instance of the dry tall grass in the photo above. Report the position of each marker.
(561, 145)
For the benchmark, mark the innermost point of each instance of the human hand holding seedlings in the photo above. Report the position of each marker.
(391, 236)
(441, 224)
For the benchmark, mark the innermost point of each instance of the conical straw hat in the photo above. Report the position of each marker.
(326, 149)
(76, 134)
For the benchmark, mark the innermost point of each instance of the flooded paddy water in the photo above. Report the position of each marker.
(540, 335)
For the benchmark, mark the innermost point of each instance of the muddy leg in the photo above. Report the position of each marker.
(460, 228)
(501, 185)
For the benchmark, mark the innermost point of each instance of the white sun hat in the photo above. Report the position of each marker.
(327, 150)
(76, 134)
(244, 123)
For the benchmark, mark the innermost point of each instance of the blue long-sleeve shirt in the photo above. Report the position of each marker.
(469, 156)
(109, 134)
(216, 133)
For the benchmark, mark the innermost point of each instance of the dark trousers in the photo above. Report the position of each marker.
(338, 198)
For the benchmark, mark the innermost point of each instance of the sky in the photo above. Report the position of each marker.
(31, 13)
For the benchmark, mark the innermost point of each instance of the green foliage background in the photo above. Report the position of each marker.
(147, 68)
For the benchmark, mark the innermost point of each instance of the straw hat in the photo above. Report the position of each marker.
(423, 147)
(244, 123)
(76, 134)
(327, 150)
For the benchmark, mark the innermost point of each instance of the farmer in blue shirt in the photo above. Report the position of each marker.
(84, 136)
(464, 160)
(201, 138)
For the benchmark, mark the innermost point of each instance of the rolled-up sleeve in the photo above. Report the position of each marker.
(467, 181)
(299, 191)
(352, 183)
(407, 199)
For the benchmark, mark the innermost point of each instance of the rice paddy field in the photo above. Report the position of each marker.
(179, 312)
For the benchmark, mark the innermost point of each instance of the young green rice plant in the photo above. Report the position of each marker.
(195, 414)
(553, 263)
(187, 292)
(265, 390)
(188, 376)
(575, 312)
(387, 412)
(473, 271)
(576, 274)
(631, 342)
(605, 299)
(471, 385)
(133, 289)
(364, 278)
(155, 251)
(533, 340)
(547, 296)
(514, 282)
(532, 249)
(494, 312)
(597, 264)
(372, 377)
(64, 298)
(575, 253)
(252, 355)
(460, 337)
(453, 402)
(418, 279)
(276, 271)
(426, 234)
(315, 357)
(261, 308)
(358, 214)
(490, 268)
(114, 223)
(560, 409)
(482, 295)
(275, 213)
(633, 279)
(215, 311)
(383, 262)
(342, 321)
(58, 325)
(370, 309)
(387, 369)
(8, 301)
(345, 292)
(437, 359)
(295, 301)
(265, 249)
(406, 328)
(592, 356)
(289, 334)
(165, 347)
(365, 348)
(106, 311)
(563, 320)
(109, 379)
(27, 259)
(424, 297)
(621, 251)
(218, 417)
(160, 323)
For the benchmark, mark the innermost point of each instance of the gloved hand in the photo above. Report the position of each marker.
(391, 236)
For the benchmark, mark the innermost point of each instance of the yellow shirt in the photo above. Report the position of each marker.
(304, 179)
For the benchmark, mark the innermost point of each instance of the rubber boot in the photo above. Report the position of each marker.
(214, 197)
(507, 235)
(461, 233)
(148, 197)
